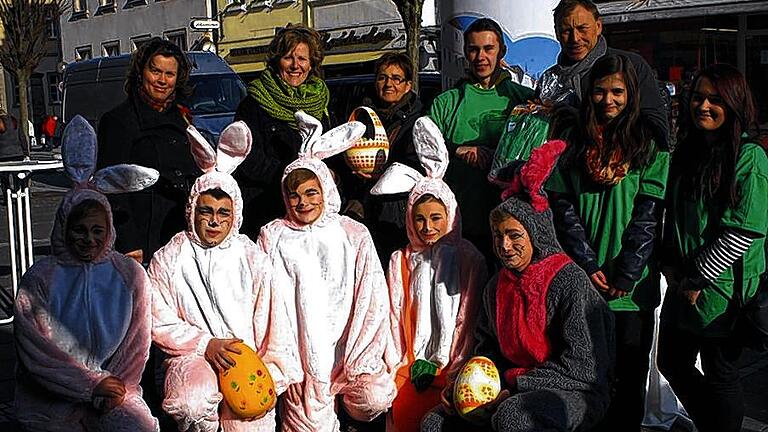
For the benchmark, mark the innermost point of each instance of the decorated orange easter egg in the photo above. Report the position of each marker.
(369, 153)
(247, 386)
(476, 385)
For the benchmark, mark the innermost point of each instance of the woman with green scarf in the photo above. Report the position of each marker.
(291, 82)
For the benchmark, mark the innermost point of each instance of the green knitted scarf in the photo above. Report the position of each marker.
(281, 101)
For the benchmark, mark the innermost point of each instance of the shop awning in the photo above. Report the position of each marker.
(646, 10)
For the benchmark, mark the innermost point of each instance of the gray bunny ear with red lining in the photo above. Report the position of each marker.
(78, 150)
(534, 173)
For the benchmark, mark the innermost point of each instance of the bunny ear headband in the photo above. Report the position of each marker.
(528, 178)
(234, 145)
(78, 152)
(315, 143)
(433, 155)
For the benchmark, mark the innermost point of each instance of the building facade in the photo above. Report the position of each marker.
(354, 32)
(680, 37)
(98, 28)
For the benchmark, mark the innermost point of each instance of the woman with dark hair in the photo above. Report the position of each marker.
(148, 129)
(291, 82)
(606, 198)
(714, 246)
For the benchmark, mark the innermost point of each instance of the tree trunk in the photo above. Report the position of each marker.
(412, 31)
(23, 80)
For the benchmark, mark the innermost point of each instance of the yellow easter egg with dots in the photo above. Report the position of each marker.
(247, 386)
(477, 384)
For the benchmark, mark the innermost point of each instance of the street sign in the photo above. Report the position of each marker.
(204, 24)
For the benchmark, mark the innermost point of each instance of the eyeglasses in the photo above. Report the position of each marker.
(396, 79)
(701, 97)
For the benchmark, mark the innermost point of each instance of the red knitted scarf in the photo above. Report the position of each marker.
(521, 314)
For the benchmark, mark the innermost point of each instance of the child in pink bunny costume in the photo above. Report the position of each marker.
(82, 318)
(332, 275)
(213, 287)
(435, 283)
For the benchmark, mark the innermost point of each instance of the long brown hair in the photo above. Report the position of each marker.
(626, 133)
(709, 169)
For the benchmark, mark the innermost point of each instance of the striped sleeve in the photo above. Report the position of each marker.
(729, 247)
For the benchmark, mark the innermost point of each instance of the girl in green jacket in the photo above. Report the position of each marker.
(714, 245)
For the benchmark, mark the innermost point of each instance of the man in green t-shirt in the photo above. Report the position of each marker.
(471, 117)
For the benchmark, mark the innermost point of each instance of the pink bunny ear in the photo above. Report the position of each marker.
(430, 147)
(338, 139)
(202, 151)
(234, 146)
(310, 130)
(535, 173)
(398, 178)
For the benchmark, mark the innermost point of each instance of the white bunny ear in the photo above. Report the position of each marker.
(338, 139)
(430, 147)
(234, 146)
(310, 130)
(124, 178)
(78, 149)
(398, 178)
(202, 151)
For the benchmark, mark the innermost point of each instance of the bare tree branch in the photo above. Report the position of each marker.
(24, 43)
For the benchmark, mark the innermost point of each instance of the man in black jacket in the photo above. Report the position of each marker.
(578, 28)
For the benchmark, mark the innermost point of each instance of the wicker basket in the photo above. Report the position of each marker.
(369, 154)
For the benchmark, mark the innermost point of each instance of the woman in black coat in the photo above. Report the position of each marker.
(291, 82)
(148, 129)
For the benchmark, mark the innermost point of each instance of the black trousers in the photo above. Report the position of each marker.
(634, 339)
(714, 399)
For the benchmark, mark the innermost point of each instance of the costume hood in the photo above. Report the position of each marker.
(78, 151)
(526, 200)
(398, 178)
(315, 147)
(218, 166)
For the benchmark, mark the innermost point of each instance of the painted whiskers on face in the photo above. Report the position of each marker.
(512, 244)
(306, 203)
(87, 235)
(213, 219)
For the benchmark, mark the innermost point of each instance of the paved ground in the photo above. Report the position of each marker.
(47, 190)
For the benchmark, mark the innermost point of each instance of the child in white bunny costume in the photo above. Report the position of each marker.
(338, 294)
(434, 285)
(210, 292)
(82, 316)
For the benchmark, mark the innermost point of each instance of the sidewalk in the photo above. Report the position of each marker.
(754, 373)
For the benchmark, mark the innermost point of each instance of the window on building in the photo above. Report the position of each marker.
(105, 7)
(54, 96)
(178, 37)
(51, 25)
(83, 53)
(110, 49)
(133, 3)
(79, 10)
(138, 41)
